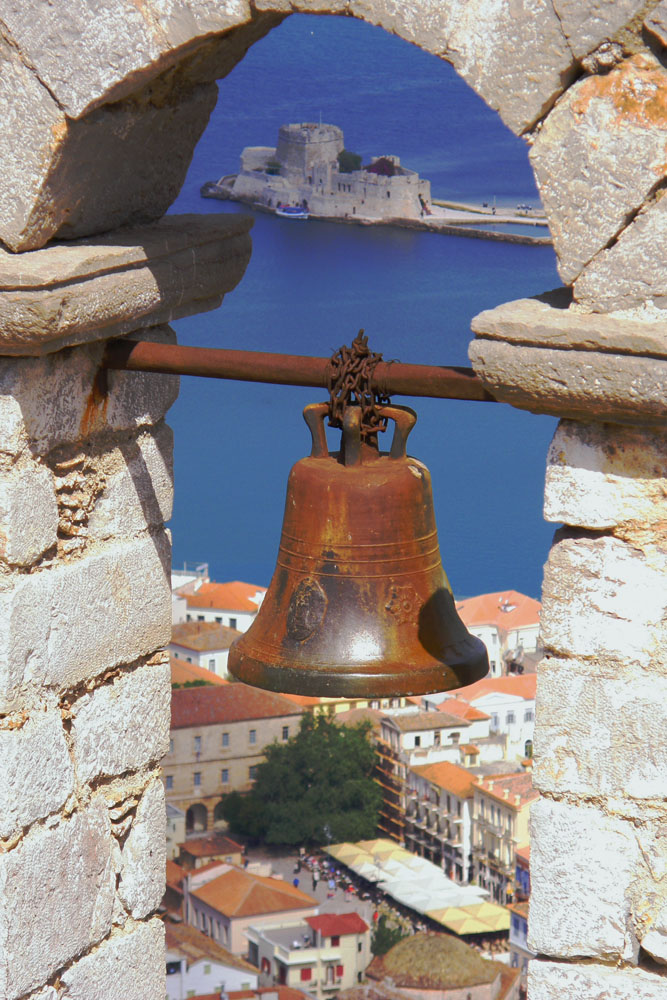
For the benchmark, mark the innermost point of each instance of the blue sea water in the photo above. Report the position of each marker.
(311, 285)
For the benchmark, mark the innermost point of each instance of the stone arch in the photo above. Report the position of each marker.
(219, 822)
(583, 86)
(196, 818)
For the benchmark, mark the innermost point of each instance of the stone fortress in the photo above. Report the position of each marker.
(102, 108)
(303, 169)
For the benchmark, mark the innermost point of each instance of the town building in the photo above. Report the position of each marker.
(442, 967)
(520, 953)
(175, 830)
(438, 823)
(306, 169)
(217, 739)
(184, 674)
(258, 993)
(204, 644)
(501, 809)
(199, 851)
(224, 901)
(322, 954)
(508, 623)
(173, 901)
(522, 873)
(234, 604)
(197, 964)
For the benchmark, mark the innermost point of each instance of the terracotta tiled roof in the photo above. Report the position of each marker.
(305, 700)
(337, 924)
(182, 672)
(208, 847)
(193, 946)
(233, 596)
(175, 875)
(522, 685)
(206, 706)
(283, 993)
(520, 785)
(523, 853)
(237, 893)
(462, 709)
(520, 908)
(203, 636)
(507, 609)
(469, 748)
(451, 777)
(414, 721)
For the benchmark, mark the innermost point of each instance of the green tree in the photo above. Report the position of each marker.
(348, 161)
(315, 788)
(386, 935)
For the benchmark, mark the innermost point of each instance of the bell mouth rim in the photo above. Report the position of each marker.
(392, 680)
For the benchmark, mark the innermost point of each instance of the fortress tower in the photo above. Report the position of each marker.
(302, 146)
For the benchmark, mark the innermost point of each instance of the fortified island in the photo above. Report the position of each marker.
(310, 173)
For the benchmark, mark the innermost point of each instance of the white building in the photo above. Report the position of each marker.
(439, 817)
(234, 604)
(175, 830)
(321, 954)
(204, 644)
(197, 965)
(508, 624)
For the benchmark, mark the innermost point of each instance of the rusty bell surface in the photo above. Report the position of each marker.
(359, 604)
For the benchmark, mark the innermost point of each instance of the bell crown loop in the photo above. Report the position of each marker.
(353, 448)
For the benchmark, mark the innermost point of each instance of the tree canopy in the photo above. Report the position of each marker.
(313, 789)
(348, 161)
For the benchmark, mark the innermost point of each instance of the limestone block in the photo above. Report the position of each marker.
(600, 734)
(603, 475)
(599, 155)
(655, 941)
(129, 965)
(586, 25)
(581, 865)
(37, 774)
(656, 23)
(604, 598)
(557, 980)
(144, 856)
(632, 271)
(123, 725)
(120, 600)
(54, 400)
(549, 320)
(138, 487)
(475, 37)
(28, 513)
(56, 891)
(107, 286)
(581, 385)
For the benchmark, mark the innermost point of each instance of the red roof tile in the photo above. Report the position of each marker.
(462, 709)
(522, 685)
(521, 785)
(238, 893)
(175, 875)
(232, 596)
(507, 609)
(206, 706)
(182, 672)
(203, 637)
(451, 777)
(208, 847)
(337, 924)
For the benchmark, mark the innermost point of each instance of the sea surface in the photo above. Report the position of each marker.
(311, 285)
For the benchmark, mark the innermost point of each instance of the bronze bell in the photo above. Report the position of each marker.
(359, 604)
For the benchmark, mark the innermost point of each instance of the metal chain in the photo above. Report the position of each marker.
(350, 383)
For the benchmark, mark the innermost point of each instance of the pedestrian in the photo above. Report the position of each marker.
(295, 883)
(316, 878)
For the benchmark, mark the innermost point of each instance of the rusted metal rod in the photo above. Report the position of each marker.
(391, 378)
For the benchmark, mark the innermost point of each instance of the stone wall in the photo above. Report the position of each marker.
(102, 107)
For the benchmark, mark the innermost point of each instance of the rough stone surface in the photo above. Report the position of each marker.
(559, 980)
(144, 856)
(138, 487)
(604, 598)
(129, 965)
(546, 321)
(582, 863)
(601, 476)
(123, 725)
(599, 155)
(71, 293)
(655, 941)
(28, 513)
(600, 734)
(37, 774)
(52, 401)
(656, 23)
(632, 271)
(57, 891)
(120, 600)
(582, 385)
(588, 24)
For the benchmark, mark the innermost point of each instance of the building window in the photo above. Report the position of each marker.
(454, 737)
(173, 968)
(335, 941)
(171, 746)
(170, 781)
(224, 776)
(225, 739)
(197, 744)
(188, 618)
(494, 721)
(436, 739)
(285, 732)
(388, 194)
(252, 772)
(510, 718)
(306, 974)
(197, 779)
(529, 715)
(218, 619)
(211, 665)
(339, 971)
(201, 618)
(207, 970)
(232, 622)
(253, 736)
(418, 741)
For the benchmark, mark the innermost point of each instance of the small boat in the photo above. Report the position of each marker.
(292, 211)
